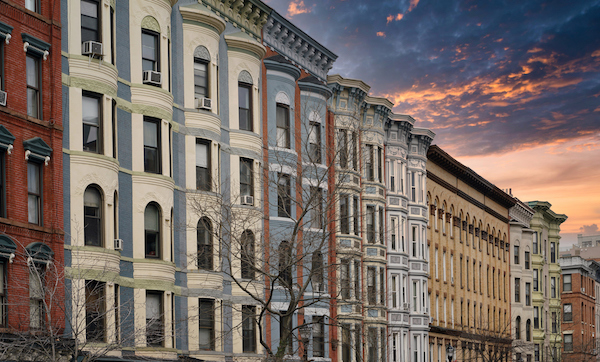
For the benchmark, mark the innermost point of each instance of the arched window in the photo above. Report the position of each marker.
(528, 330)
(443, 217)
(248, 256)
(92, 214)
(245, 101)
(152, 230)
(205, 244)
(435, 215)
(518, 328)
(451, 221)
(201, 73)
(285, 264)
(317, 271)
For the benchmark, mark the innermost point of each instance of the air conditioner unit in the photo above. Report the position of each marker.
(248, 200)
(203, 103)
(118, 244)
(91, 48)
(152, 77)
(3, 95)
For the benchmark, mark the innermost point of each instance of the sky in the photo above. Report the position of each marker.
(511, 88)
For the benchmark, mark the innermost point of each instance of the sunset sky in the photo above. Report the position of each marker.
(511, 88)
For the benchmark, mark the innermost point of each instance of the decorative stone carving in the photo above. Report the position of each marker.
(282, 98)
(245, 77)
(202, 53)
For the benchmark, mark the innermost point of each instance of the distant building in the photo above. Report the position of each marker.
(588, 247)
(578, 309)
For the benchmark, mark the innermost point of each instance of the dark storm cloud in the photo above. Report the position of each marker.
(486, 76)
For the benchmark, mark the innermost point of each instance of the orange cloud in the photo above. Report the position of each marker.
(413, 4)
(381, 34)
(391, 18)
(534, 50)
(297, 7)
(596, 53)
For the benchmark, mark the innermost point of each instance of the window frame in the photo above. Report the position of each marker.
(95, 326)
(284, 195)
(204, 244)
(569, 314)
(98, 218)
(3, 190)
(568, 347)
(155, 326)
(156, 66)
(37, 89)
(249, 126)
(248, 259)
(316, 207)
(206, 86)
(282, 126)
(314, 149)
(204, 174)
(36, 301)
(157, 165)
(318, 336)
(248, 329)
(39, 196)
(370, 224)
(99, 126)
(98, 31)
(249, 164)
(570, 283)
(206, 321)
(156, 233)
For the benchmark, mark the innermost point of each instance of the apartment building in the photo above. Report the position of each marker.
(468, 233)
(31, 218)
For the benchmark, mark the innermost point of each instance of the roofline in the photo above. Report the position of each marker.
(348, 82)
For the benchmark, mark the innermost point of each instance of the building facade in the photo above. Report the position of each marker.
(31, 218)
(588, 247)
(521, 276)
(469, 280)
(546, 270)
(578, 309)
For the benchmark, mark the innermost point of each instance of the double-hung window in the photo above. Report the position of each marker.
(344, 214)
(200, 78)
(248, 254)
(516, 254)
(95, 298)
(205, 244)
(282, 116)
(90, 21)
(150, 51)
(92, 213)
(568, 338)
(34, 82)
(154, 319)
(517, 290)
(369, 163)
(284, 196)
(206, 324)
(34, 192)
(567, 283)
(33, 5)
(2, 183)
(203, 165)
(245, 106)
(371, 224)
(3, 293)
(343, 148)
(36, 295)
(152, 151)
(246, 177)
(152, 231)
(314, 142)
(318, 336)
(371, 286)
(568, 312)
(316, 207)
(91, 111)
(248, 328)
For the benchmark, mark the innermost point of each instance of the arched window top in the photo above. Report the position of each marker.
(282, 98)
(152, 217)
(151, 23)
(204, 223)
(39, 251)
(247, 235)
(7, 245)
(92, 196)
(245, 77)
(202, 53)
(314, 116)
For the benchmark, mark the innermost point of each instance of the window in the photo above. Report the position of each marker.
(382, 286)
(568, 342)
(245, 106)
(206, 324)
(554, 322)
(343, 148)
(92, 211)
(372, 343)
(150, 51)
(152, 231)
(90, 20)
(36, 295)
(517, 290)
(553, 252)
(248, 255)
(354, 146)
(566, 283)
(317, 271)
(246, 177)
(553, 287)
(518, 328)
(536, 317)
(357, 342)
(371, 224)
(369, 167)
(200, 78)
(393, 231)
(356, 214)
(33, 5)
(95, 296)
(568, 312)
(516, 254)
(346, 343)
(526, 260)
(394, 291)
(314, 142)
(344, 215)
(357, 279)
(380, 164)
(285, 264)
(34, 101)
(413, 188)
(535, 243)
(203, 165)
(345, 278)
(316, 207)
(284, 196)
(205, 244)
(535, 280)
(527, 294)
(371, 286)
(92, 122)
(282, 116)
(248, 328)
(536, 352)
(152, 154)
(528, 330)
(154, 319)
(381, 226)
(318, 336)
(3, 294)
(34, 193)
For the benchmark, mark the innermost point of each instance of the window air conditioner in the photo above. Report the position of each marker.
(203, 103)
(3, 95)
(152, 77)
(91, 48)
(118, 244)
(248, 200)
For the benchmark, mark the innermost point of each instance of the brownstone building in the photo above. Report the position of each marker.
(467, 234)
(578, 305)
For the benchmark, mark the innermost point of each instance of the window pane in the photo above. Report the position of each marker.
(151, 217)
(150, 134)
(200, 78)
(32, 70)
(89, 8)
(149, 46)
(244, 97)
(90, 110)
(33, 178)
(202, 155)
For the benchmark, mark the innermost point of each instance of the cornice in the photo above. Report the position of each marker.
(197, 13)
(296, 46)
(248, 15)
(402, 118)
(315, 88)
(437, 155)
(426, 133)
(246, 44)
(544, 208)
(521, 213)
(282, 67)
(347, 82)
(379, 101)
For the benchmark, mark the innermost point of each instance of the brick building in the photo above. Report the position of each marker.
(31, 237)
(578, 305)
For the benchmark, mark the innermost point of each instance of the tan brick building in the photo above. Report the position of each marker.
(469, 290)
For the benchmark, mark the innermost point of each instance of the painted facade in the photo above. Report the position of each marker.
(468, 230)
(31, 217)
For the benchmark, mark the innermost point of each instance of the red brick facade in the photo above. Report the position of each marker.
(39, 30)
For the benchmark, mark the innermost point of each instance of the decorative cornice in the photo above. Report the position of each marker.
(296, 46)
(198, 13)
(425, 133)
(248, 15)
(341, 82)
(315, 88)
(543, 207)
(282, 67)
(521, 213)
(245, 44)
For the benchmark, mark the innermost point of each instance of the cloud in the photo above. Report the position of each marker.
(589, 229)
(381, 34)
(413, 4)
(391, 18)
(297, 7)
